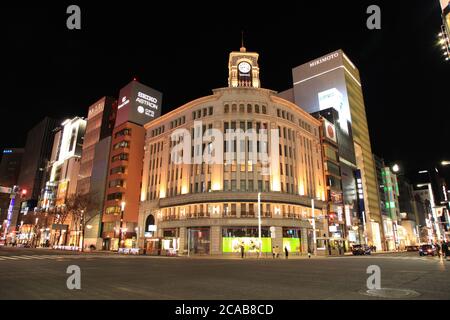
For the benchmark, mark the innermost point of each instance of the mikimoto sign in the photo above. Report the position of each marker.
(138, 104)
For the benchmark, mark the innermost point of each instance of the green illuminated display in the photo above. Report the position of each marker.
(251, 244)
(292, 244)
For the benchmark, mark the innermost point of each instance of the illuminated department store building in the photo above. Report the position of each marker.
(201, 208)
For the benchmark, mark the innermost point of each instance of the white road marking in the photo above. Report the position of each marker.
(24, 257)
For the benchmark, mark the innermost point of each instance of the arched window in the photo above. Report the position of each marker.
(264, 110)
(150, 223)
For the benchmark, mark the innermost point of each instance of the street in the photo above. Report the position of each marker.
(41, 274)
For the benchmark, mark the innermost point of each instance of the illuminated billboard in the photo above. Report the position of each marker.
(329, 130)
(251, 244)
(62, 192)
(138, 104)
(292, 244)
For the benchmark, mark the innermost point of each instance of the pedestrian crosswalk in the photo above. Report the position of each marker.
(33, 257)
(61, 257)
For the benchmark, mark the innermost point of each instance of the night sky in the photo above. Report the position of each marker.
(182, 50)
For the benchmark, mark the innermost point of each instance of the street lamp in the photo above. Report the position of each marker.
(259, 223)
(445, 163)
(122, 207)
(314, 227)
(395, 168)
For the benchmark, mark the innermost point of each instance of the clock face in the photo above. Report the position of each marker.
(244, 67)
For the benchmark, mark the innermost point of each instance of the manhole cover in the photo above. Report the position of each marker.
(391, 293)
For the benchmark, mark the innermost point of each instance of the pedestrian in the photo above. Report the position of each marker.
(277, 251)
(242, 251)
(286, 252)
(444, 249)
(273, 252)
(438, 249)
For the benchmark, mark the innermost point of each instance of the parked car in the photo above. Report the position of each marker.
(412, 248)
(360, 250)
(427, 250)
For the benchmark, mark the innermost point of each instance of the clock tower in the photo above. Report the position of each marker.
(243, 70)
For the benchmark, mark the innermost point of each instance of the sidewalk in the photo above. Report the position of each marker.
(252, 256)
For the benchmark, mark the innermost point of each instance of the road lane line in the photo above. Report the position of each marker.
(9, 258)
(38, 257)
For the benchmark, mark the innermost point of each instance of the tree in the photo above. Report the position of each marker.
(80, 207)
(59, 216)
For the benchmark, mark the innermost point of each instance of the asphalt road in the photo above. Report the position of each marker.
(41, 274)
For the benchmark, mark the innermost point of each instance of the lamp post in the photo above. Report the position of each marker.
(122, 207)
(314, 227)
(259, 223)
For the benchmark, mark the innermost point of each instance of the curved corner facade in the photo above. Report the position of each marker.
(196, 207)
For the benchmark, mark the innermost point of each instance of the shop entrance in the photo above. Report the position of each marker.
(199, 240)
(106, 244)
(153, 246)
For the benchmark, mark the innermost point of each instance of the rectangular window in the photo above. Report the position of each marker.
(233, 209)
(226, 185)
(123, 132)
(116, 183)
(122, 144)
(116, 170)
(243, 185)
(121, 157)
(115, 196)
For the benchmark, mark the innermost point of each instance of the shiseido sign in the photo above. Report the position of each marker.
(138, 104)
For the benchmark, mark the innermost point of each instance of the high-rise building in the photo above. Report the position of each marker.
(38, 149)
(33, 173)
(10, 166)
(333, 81)
(138, 105)
(438, 198)
(94, 166)
(444, 35)
(63, 170)
(9, 173)
(392, 220)
(208, 162)
(339, 216)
